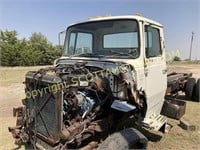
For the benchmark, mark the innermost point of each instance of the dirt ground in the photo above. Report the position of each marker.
(12, 91)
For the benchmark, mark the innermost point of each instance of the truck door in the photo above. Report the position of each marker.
(154, 68)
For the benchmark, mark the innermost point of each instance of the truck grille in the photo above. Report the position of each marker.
(46, 116)
(43, 108)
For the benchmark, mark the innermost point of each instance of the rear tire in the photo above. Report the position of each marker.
(197, 91)
(189, 87)
(126, 139)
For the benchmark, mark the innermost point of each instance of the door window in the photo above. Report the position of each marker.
(152, 42)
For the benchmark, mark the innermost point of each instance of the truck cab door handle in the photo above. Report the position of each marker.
(146, 71)
(164, 71)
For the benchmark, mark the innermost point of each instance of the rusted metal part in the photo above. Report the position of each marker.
(18, 141)
(176, 82)
(90, 146)
(50, 140)
(19, 121)
(65, 134)
(86, 134)
(73, 130)
(131, 93)
(96, 84)
(102, 125)
(15, 131)
(17, 112)
(24, 101)
(77, 132)
(37, 111)
(73, 109)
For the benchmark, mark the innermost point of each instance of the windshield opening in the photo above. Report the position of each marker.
(112, 38)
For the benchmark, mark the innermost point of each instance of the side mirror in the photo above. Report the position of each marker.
(59, 39)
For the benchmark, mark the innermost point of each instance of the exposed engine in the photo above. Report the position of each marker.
(70, 103)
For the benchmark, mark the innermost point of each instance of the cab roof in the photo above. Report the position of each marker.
(135, 17)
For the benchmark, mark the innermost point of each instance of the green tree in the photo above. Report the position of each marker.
(28, 56)
(10, 54)
(37, 50)
(43, 47)
(176, 58)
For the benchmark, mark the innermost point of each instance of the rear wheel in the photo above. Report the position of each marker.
(126, 139)
(189, 87)
(197, 91)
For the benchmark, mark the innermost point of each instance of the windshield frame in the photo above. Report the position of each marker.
(67, 36)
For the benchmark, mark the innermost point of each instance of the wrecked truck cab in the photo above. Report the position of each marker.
(133, 40)
(112, 69)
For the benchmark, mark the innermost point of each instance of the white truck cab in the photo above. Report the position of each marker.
(133, 40)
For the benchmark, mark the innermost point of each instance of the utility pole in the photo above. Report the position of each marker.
(191, 47)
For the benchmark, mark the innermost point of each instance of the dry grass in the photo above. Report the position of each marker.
(15, 74)
(12, 91)
(178, 138)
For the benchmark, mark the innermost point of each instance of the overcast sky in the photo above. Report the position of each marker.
(179, 17)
